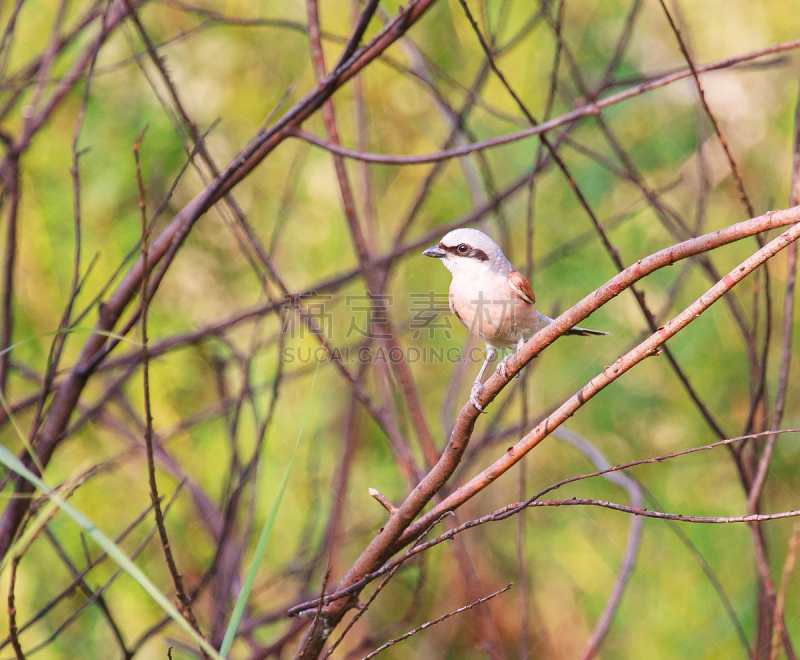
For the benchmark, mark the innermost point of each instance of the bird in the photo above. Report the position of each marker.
(490, 297)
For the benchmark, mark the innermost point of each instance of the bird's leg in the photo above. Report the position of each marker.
(477, 386)
(502, 366)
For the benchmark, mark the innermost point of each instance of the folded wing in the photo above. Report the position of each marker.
(519, 285)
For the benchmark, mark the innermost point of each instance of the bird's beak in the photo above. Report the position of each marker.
(434, 251)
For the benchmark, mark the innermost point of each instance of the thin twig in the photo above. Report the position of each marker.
(778, 625)
(12, 609)
(625, 572)
(70, 588)
(694, 71)
(759, 480)
(505, 512)
(428, 624)
(316, 622)
(177, 580)
(568, 117)
(363, 609)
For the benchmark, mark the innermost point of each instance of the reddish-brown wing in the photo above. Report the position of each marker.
(520, 286)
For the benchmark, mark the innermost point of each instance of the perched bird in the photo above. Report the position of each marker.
(490, 297)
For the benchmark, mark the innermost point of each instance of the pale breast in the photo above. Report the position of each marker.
(492, 311)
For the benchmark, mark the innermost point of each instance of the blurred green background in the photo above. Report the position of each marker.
(236, 74)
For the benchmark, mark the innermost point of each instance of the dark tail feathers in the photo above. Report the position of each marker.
(585, 332)
(577, 330)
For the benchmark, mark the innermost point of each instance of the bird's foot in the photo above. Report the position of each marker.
(475, 392)
(502, 368)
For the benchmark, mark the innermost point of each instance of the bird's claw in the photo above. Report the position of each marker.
(475, 392)
(502, 368)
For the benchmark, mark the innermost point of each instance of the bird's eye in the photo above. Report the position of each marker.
(463, 248)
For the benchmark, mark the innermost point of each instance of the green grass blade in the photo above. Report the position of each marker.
(261, 546)
(112, 550)
(7, 407)
(70, 331)
(21, 434)
(31, 530)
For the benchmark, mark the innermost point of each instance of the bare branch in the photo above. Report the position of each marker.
(428, 624)
(573, 115)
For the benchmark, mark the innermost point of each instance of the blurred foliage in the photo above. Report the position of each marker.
(237, 74)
